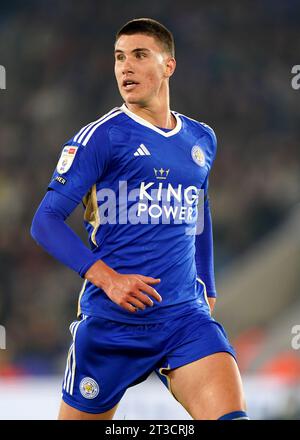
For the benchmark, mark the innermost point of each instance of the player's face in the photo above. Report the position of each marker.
(141, 68)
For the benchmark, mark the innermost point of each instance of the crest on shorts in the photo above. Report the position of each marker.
(198, 155)
(66, 159)
(89, 388)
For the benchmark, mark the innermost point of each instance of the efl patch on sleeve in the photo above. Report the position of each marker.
(66, 159)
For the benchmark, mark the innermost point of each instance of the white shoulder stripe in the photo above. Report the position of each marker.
(80, 135)
(76, 137)
(86, 127)
(92, 130)
(80, 139)
(92, 124)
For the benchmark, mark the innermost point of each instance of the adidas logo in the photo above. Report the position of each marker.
(142, 151)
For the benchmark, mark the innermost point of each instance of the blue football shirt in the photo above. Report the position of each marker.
(140, 188)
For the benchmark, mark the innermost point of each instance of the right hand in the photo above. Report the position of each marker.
(129, 291)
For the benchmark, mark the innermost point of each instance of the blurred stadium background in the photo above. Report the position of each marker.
(234, 73)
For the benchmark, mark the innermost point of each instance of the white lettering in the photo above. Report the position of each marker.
(296, 338)
(2, 78)
(296, 79)
(159, 211)
(2, 338)
(170, 210)
(172, 191)
(194, 197)
(182, 213)
(142, 207)
(143, 189)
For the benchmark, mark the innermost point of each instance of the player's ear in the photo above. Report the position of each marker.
(170, 67)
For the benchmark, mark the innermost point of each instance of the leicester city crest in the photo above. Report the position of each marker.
(89, 388)
(198, 155)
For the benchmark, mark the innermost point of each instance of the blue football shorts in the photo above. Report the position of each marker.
(107, 357)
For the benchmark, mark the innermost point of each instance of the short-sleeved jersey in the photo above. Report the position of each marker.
(140, 187)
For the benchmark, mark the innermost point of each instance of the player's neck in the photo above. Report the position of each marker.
(157, 114)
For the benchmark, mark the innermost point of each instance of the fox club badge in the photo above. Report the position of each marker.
(198, 155)
(89, 388)
(66, 159)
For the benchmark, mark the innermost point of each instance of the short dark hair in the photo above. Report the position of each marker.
(150, 27)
